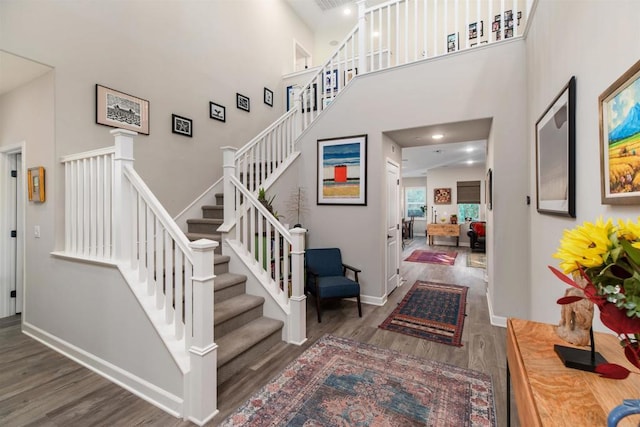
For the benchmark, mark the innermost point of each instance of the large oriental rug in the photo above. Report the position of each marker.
(433, 311)
(340, 382)
(433, 257)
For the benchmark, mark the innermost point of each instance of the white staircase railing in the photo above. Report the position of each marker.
(399, 32)
(112, 216)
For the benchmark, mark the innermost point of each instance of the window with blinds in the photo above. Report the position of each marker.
(468, 192)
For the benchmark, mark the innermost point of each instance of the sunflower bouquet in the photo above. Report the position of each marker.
(607, 256)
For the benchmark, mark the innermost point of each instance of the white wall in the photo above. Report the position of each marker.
(596, 41)
(459, 87)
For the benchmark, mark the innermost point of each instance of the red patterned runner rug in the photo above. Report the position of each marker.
(433, 257)
(340, 382)
(433, 311)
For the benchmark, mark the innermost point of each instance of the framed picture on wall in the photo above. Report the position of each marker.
(619, 107)
(331, 81)
(442, 196)
(555, 155)
(488, 195)
(120, 110)
(310, 98)
(452, 42)
(243, 102)
(268, 97)
(217, 111)
(35, 181)
(342, 171)
(181, 125)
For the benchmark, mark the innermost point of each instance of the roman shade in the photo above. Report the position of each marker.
(468, 192)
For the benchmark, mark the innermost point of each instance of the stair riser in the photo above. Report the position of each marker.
(227, 370)
(203, 228)
(220, 199)
(220, 268)
(230, 292)
(223, 328)
(213, 213)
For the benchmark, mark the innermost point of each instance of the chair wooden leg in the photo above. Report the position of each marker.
(359, 306)
(318, 308)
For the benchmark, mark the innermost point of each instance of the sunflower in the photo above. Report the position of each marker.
(587, 245)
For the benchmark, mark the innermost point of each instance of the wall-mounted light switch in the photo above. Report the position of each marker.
(36, 231)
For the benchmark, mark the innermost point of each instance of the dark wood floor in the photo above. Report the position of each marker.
(39, 387)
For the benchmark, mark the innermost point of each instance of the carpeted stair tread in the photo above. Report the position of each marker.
(225, 280)
(235, 306)
(245, 337)
(214, 221)
(221, 259)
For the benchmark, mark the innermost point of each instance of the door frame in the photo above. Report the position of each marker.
(388, 162)
(9, 202)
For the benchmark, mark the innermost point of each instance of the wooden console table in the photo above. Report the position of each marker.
(549, 394)
(449, 230)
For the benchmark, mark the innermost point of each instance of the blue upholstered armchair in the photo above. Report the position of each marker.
(326, 277)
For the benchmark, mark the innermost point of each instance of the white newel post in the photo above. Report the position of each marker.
(297, 105)
(297, 301)
(229, 170)
(203, 353)
(362, 37)
(122, 195)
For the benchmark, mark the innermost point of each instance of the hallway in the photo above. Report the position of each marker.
(41, 387)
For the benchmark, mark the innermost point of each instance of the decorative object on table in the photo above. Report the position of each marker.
(607, 256)
(181, 125)
(342, 171)
(442, 196)
(619, 107)
(338, 381)
(432, 257)
(120, 110)
(452, 42)
(35, 180)
(453, 219)
(628, 407)
(556, 155)
(243, 102)
(217, 112)
(268, 97)
(576, 318)
(432, 311)
(297, 205)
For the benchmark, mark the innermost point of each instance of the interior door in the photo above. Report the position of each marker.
(20, 234)
(393, 226)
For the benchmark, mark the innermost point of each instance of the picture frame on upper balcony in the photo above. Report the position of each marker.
(120, 110)
(452, 42)
(310, 98)
(331, 81)
(556, 155)
(619, 110)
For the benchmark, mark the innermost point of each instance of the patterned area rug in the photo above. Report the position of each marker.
(433, 311)
(433, 257)
(477, 260)
(340, 382)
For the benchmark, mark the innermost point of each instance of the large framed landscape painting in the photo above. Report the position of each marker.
(120, 110)
(555, 155)
(342, 171)
(619, 107)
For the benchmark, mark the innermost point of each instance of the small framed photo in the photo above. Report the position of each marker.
(556, 155)
(508, 33)
(243, 102)
(120, 110)
(268, 97)
(310, 98)
(326, 101)
(290, 94)
(496, 25)
(350, 74)
(35, 179)
(619, 107)
(181, 125)
(217, 111)
(442, 196)
(473, 30)
(331, 81)
(452, 42)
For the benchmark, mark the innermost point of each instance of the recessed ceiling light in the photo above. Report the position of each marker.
(347, 11)
(437, 136)
(376, 34)
(469, 149)
(469, 162)
(333, 43)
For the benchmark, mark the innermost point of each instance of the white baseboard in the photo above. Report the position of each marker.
(379, 301)
(495, 320)
(164, 400)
